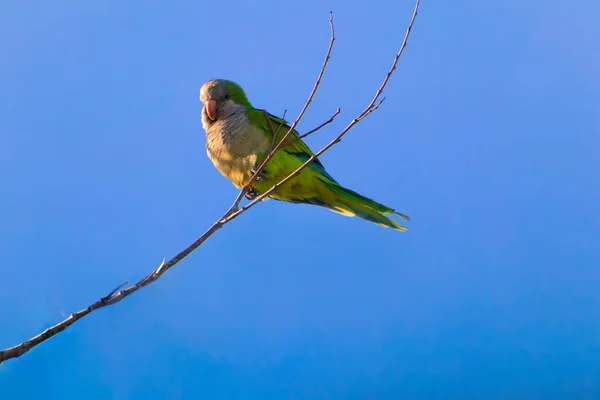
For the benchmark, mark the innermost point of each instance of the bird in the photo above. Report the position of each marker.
(239, 137)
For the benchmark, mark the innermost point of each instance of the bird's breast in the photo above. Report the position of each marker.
(234, 148)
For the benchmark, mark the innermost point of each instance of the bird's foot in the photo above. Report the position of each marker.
(251, 193)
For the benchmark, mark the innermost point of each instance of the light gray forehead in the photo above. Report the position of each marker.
(213, 90)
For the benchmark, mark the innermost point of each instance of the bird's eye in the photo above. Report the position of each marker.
(226, 96)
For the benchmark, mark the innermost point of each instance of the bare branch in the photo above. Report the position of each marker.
(233, 212)
(308, 101)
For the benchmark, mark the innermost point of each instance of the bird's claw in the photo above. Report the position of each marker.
(251, 193)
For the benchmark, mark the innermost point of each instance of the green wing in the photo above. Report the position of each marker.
(294, 146)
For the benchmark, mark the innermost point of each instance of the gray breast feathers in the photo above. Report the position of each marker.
(236, 137)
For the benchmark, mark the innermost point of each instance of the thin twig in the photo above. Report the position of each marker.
(330, 120)
(310, 99)
(279, 127)
(275, 134)
(233, 212)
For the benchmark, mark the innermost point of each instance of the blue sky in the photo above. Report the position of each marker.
(488, 140)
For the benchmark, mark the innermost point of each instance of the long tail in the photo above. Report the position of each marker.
(348, 202)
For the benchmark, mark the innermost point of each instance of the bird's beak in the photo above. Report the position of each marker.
(211, 109)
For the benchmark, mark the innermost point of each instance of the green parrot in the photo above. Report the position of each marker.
(239, 136)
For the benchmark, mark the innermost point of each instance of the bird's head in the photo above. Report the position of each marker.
(222, 98)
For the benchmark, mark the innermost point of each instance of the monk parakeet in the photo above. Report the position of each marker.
(238, 137)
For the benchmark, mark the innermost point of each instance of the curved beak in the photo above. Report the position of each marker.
(211, 109)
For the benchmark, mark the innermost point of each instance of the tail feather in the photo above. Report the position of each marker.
(348, 202)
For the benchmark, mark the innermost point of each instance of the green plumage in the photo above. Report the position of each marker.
(239, 137)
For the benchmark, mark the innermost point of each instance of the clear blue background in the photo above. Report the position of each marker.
(489, 139)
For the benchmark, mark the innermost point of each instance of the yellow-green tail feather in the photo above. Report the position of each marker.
(348, 202)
